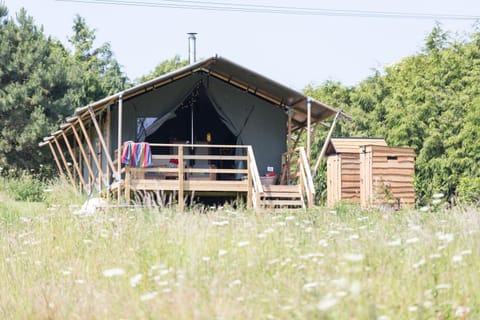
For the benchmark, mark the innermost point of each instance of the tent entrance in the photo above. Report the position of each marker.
(195, 118)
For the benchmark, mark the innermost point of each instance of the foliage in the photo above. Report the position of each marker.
(229, 264)
(100, 73)
(430, 102)
(33, 90)
(165, 67)
(25, 187)
(469, 190)
(41, 83)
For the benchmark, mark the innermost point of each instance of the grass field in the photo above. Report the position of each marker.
(229, 264)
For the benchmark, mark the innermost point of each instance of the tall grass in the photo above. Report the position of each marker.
(229, 264)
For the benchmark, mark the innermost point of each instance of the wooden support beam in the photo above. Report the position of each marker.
(62, 174)
(306, 177)
(325, 144)
(309, 127)
(286, 169)
(108, 137)
(65, 163)
(250, 184)
(128, 181)
(119, 146)
(299, 135)
(102, 141)
(75, 163)
(84, 154)
(259, 93)
(92, 150)
(181, 203)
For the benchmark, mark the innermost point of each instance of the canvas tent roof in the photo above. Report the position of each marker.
(352, 144)
(238, 76)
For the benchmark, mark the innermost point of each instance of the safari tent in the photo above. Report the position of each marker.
(210, 128)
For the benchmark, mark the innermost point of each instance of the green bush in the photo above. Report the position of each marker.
(469, 190)
(25, 187)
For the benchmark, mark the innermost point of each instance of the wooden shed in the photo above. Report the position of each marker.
(369, 172)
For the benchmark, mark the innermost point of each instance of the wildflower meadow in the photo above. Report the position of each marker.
(345, 263)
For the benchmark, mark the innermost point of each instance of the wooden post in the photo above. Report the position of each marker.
(298, 139)
(289, 147)
(100, 137)
(75, 163)
(84, 154)
(65, 163)
(255, 177)
(325, 144)
(62, 174)
(309, 127)
(306, 177)
(119, 146)
(128, 179)
(301, 176)
(181, 204)
(92, 150)
(249, 181)
(108, 138)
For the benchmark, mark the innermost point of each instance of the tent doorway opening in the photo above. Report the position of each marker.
(195, 118)
(196, 121)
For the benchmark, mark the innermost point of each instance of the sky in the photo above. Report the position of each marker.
(295, 50)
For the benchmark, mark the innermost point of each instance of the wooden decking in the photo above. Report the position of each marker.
(188, 185)
(282, 196)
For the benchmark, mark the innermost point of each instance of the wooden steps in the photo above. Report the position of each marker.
(282, 196)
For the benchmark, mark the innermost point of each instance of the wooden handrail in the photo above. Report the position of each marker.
(213, 157)
(257, 187)
(306, 176)
(187, 170)
(197, 157)
(292, 163)
(254, 170)
(219, 146)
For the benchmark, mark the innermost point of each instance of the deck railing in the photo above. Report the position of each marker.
(186, 168)
(255, 183)
(297, 171)
(306, 180)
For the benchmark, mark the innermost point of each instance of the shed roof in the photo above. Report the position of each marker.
(352, 144)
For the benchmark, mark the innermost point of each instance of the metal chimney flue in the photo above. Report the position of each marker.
(192, 47)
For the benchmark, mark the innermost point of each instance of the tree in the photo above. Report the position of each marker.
(41, 83)
(99, 73)
(429, 101)
(165, 67)
(34, 89)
